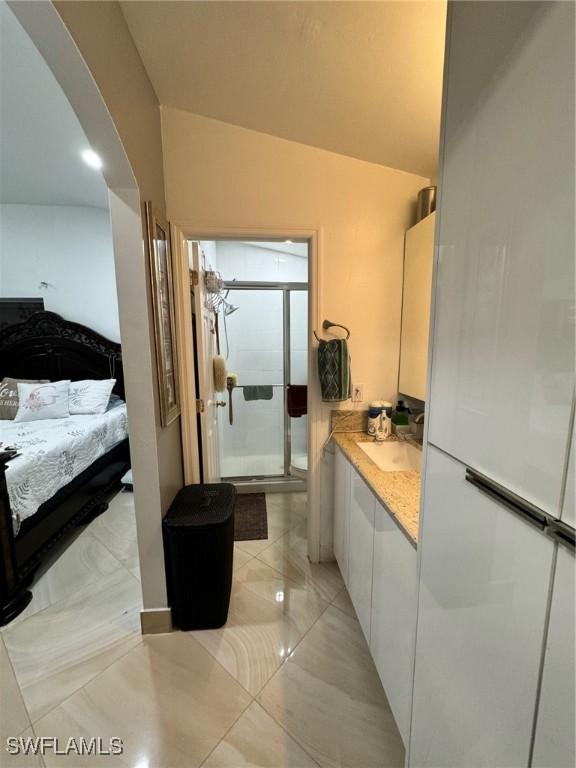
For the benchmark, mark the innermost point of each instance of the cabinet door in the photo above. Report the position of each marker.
(394, 594)
(342, 471)
(569, 506)
(503, 342)
(360, 550)
(484, 583)
(416, 296)
(554, 742)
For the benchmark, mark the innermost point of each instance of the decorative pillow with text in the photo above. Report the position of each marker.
(43, 401)
(9, 395)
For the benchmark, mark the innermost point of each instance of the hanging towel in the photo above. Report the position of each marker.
(334, 370)
(262, 392)
(297, 400)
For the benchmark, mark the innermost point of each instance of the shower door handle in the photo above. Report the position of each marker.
(230, 411)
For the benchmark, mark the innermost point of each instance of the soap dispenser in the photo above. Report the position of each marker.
(400, 416)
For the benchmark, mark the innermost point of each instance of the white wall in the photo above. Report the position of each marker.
(69, 247)
(222, 176)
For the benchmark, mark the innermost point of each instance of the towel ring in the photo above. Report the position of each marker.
(329, 324)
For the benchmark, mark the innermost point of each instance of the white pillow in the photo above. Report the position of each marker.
(90, 396)
(43, 401)
(115, 402)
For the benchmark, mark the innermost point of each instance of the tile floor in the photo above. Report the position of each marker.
(288, 681)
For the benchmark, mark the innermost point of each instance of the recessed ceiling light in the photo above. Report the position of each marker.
(287, 241)
(92, 159)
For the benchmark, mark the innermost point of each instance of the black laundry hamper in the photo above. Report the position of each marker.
(199, 549)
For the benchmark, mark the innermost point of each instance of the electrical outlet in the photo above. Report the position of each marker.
(357, 393)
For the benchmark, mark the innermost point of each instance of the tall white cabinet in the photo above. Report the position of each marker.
(416, 297)
(555, 737)
(492, 644)
(555, 730)
(503, 346)
(484, 586)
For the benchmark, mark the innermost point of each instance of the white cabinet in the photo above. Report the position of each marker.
(503, 344)
(394, 595)
(554, 742)
(484, 583)
(378, 565)
(569, 506)
(342, 472)
(416, 297)
(360, 550)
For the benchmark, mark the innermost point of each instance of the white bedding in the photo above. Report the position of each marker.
(54, 452)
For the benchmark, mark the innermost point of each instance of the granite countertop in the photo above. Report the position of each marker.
(398, 491)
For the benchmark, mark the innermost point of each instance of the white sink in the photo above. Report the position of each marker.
(393, 456)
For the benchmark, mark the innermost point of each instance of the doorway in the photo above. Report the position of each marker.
(199, 400)
(261, 322)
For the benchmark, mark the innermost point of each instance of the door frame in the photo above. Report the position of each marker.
(313, 236)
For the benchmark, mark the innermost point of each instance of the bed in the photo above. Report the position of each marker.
(67, 469)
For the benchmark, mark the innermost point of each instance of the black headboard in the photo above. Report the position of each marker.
(48, 347)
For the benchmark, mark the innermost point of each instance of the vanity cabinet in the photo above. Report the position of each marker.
(360, 550)
(394, 599)
(342, 473)
(378, 565)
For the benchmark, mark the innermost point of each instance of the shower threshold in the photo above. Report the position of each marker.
(263, 484)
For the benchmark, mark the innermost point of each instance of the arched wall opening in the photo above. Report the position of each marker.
(155, 453)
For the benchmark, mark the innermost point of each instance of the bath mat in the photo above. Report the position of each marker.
(250, 517)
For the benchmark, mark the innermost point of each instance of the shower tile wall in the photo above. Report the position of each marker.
(255, 443)
(249, 261)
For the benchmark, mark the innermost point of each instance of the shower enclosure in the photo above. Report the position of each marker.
(266, 341)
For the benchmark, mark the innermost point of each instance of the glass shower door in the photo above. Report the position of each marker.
(299, 375)
(253, 335)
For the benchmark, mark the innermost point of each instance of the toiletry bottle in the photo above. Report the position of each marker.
(374, 413)
(400, 415)
(384, 428)
(387, 422)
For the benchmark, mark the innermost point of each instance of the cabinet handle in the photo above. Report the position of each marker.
(525, 509)
(562, 533)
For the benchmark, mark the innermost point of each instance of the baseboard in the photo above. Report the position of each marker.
(326, 553)
(155, 621)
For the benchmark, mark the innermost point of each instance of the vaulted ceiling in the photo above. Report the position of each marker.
(359, 78)
(41, 139)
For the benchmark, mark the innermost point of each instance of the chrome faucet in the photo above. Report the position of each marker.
(418, 421)
(416, 432)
